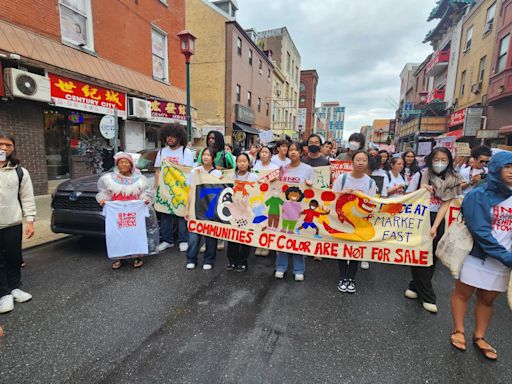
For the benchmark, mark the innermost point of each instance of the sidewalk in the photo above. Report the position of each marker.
(43, 233)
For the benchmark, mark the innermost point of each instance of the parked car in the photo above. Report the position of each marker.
(74, 207)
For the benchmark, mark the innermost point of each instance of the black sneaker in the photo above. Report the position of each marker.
(240, 268)
(351, 286)
(342, 285)
(230, 267)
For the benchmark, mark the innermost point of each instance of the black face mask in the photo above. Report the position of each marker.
(313, 148)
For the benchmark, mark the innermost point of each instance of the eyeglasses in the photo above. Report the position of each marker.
(484, 161)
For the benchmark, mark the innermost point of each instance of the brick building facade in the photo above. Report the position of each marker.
(307, 99)
(120, 53)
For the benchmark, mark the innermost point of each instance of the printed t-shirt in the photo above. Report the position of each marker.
(395, 181)
(280, 163)
(298, 174)
(175, 156)
(125, 228)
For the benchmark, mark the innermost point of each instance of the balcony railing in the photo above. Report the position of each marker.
(435, 94)
(437, 62)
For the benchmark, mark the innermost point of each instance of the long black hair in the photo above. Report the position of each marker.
(219, 144)
(385, 166)
(430, 158)
(12, 158)
(175, 130)
(414, 167)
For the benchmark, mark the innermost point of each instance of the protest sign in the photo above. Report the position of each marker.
(311, 221)
(339, 167)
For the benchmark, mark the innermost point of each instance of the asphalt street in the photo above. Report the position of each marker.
(164, 324)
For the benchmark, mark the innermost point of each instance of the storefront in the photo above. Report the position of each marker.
(244, 134)
(74, 144)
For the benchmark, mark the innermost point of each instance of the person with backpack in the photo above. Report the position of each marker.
(16, 202)
(347, 183)
(176, 152)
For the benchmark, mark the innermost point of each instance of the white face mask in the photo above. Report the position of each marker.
(353, 145)
(439, 166)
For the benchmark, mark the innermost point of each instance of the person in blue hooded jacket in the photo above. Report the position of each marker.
(486, 270)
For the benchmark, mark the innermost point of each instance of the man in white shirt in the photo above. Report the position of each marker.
(176, 152)
(477, 172)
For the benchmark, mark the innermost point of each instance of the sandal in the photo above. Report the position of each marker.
(137, 263)
(458, 344)
(117, 264)
(485, 351)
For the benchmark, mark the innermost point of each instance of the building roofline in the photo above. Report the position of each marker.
(217, 9)
(258, 49)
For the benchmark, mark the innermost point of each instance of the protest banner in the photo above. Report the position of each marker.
(339, 167)
(172, 191)
(312, 221)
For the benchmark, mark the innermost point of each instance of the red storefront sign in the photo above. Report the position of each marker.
(167, 111)
(75, 94)
(457, 117)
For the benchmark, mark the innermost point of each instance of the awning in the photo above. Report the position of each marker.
(42, 51)
(505, 130)
(457, 134)
(246, 128)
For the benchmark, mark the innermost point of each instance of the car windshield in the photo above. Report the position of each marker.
(145, 160)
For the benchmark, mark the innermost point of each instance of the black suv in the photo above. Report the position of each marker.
(74, 207)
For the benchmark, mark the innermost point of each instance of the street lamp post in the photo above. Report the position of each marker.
(187, 44)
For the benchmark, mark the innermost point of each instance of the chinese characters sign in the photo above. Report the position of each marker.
(167, 112)
(74, 94)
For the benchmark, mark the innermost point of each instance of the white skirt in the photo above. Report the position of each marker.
(488, 274)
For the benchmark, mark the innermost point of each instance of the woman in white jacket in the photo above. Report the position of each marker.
(16, 202)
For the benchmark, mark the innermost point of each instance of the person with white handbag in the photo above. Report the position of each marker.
(486, 270)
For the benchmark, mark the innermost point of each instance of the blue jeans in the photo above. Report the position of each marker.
(169, 225)
(299, 263)
(194, 240)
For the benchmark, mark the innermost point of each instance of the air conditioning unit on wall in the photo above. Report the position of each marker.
(139, 108)
(27, 85)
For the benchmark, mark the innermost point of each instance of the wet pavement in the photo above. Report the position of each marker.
(164, 324)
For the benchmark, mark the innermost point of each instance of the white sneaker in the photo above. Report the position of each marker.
(220, 245)
(183, 247)
(365, 265)
(279, 275)
(191, 265)
(430, 307)
(164, 245)
(203, 248)
(410, 294)
(299, 277)
(6, 304)
(20, 296)
(207, 267)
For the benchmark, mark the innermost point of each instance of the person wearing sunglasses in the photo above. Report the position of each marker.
(476, 174)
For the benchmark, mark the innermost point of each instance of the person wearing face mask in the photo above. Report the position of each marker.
(314, 157)
(444, 184)
(356, 142)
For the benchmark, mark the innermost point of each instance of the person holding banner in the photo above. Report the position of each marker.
(239, 253)
(444, 184)
(176, 152)
(396, 183)
(194, 239)
(221, 158)
(348, 183)
(125, 183)
(294, 173)
(486, 270)
(263, 164)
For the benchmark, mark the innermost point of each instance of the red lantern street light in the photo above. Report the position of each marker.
(187, 45)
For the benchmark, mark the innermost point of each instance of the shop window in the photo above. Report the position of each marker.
(159, 53)
(503, 53)
(76, 23)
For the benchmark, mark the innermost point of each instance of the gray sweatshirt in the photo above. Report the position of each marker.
(11, 213)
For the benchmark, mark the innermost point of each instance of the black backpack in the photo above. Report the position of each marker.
(19, 172)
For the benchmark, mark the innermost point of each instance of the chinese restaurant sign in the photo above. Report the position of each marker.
(167, 112)
(74, 94)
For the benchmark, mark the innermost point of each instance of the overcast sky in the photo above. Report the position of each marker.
(358, 47)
